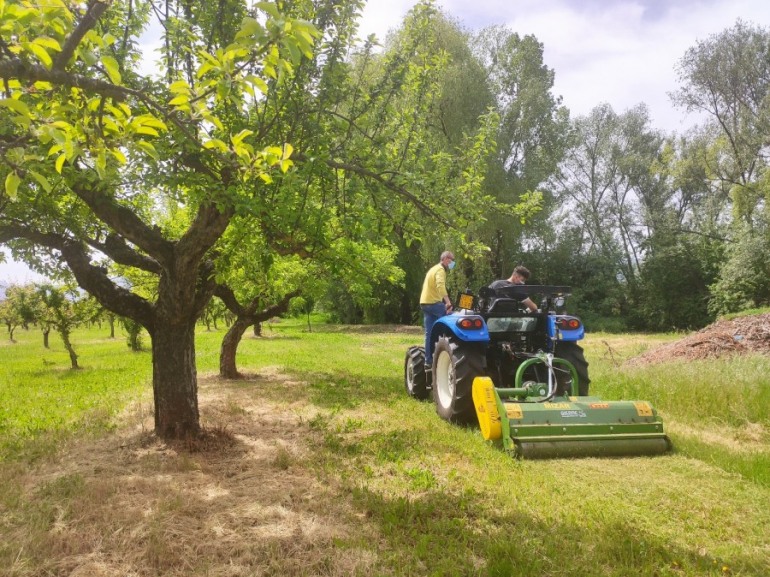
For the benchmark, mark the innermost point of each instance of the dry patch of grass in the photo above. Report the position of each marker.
(749, 438)
(245, 499)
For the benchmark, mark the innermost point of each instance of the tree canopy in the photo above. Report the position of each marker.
(260, 126)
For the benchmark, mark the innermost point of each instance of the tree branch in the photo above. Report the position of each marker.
(400, 190)
(92, 278)
(127, 224)
(227, 296)
(207, 227)
(94, 12)
(16, 68)
(116, 248)
(249, 312)
(276, 309)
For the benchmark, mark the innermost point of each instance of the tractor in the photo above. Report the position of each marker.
(523, 379)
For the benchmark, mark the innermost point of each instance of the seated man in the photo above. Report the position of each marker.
(518, 277)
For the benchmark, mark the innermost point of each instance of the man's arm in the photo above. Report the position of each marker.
(531, 306)
(441, 287)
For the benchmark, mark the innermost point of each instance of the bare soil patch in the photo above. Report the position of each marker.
(749, 334)
(249, 498)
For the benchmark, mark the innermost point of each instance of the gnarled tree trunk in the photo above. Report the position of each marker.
(246, 316)
(65, 337)
(174, 380)
(229, 348)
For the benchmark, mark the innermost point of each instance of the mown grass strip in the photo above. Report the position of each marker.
(440, 500)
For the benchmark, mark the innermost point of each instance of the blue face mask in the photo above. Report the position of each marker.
(451, 265)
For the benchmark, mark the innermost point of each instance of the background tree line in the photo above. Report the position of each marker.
(276, 156)
(653, 231)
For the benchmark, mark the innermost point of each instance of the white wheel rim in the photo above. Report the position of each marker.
(445, 382)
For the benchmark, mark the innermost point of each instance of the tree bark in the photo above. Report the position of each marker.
(174, 380)
(227, 366)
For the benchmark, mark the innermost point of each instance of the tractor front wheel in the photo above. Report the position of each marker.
(455, 365)
(415, 379)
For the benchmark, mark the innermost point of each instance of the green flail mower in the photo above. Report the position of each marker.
(523, 379)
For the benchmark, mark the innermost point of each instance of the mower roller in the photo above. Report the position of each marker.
(523, 379)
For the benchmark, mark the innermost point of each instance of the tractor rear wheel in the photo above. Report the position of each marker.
(573, 352)
(415, 379)
(455, 365)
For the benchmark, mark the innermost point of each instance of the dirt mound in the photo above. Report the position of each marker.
(727, 337)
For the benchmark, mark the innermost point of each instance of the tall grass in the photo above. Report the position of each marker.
(717, 409)
(435, 499)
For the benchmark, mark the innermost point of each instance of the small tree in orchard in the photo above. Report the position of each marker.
(10, 317)
(64, 309)
(304, 306)
(20, 308)
(111, 321)
(213, 313)
(255, 292)
(133, 334)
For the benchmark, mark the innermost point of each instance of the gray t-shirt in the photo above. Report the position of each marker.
(509, 294)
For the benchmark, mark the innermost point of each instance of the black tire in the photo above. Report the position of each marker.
(415, 379)
(455, 365)
(573, 353)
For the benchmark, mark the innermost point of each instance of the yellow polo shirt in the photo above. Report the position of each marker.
(434, 286)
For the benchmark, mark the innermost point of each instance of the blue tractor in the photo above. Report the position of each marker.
(523, 378)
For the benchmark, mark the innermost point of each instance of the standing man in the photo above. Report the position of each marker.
(434, 300)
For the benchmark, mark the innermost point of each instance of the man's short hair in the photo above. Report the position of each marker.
(447, 253)
(522, 271)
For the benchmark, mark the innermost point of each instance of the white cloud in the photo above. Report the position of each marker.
(12, 272)
(381, 16)
(623, 52)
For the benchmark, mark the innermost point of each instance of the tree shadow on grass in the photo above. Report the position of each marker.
(457, 534)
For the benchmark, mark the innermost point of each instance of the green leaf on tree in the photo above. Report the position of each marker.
(148, 148)
(41, 180)
(12, 185)
(16, 106)
(40, 52)
(112, 68)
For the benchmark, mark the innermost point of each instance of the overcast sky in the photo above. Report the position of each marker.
(622, 52)
(615, 51)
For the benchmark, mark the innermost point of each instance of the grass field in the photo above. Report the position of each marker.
(318, 464)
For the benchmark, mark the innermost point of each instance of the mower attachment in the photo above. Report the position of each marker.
(566, 426)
